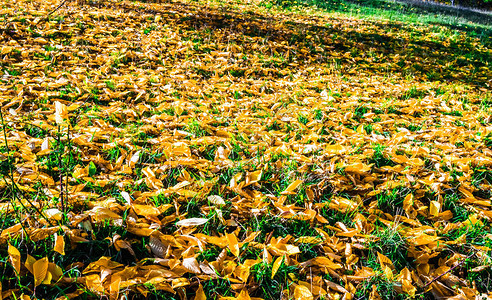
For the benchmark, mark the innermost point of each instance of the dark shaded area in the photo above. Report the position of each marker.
(471, 12)
(382, 48)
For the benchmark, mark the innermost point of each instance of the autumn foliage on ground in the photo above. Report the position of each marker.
(212, 150)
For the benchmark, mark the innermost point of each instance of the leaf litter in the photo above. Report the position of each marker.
(285, 154)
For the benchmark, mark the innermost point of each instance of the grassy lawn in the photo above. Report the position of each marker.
(244, 150)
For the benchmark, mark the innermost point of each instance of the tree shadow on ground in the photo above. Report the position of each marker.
(400, 7)
(384, 47)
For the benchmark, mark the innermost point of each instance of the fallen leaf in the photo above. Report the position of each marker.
(59, 244)
(192, 222)
(15, 258)
(40, 271)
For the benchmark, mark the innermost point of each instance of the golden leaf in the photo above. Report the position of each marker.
(384, 261)
(59, 244)
(200, 294)
(276, 265)
(243, 295)
(146, 210)
(302, 293)
(290, 189)
(29, 263)
(434, 208)
(40, 271)
(15, 258)
(233, 243)
(55, 271)
(53, 213)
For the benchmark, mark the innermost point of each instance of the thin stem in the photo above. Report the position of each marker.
(60, 167)
(68, 162)
(449, 271)
(11, 171)
(57, 8)
(14, 207)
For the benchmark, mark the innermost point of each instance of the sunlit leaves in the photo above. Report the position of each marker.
(246, 155)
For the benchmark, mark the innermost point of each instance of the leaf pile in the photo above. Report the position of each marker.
(221, 150)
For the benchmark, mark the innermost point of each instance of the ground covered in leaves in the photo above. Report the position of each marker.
(186, 149)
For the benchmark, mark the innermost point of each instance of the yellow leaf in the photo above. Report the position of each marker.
(179, 282)
(146, 210)
(290, 189)
(29, 263)
(253, 177)
(55, 271)
(276, 265)
(200, 294)
(388, 273)
(243, 295)
(61, 112)
(114, 287)
(59, 244)
(6, 50)
(40, 269)
(424, 239)
(358, 168)
(434, 208)
(407, 287)
(384, 261)
(302, 293)
(47, 278)
(53, 213)
(322, 262)
(233, 243)
(335, 149)
(15, 258)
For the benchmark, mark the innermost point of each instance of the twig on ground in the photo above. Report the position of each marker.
(57, 8)
(448, 271)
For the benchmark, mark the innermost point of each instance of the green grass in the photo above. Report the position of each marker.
(447, 20)
(379, 158)
(268, 287)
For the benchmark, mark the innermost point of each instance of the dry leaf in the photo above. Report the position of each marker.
(191, 264)
(302, 293)
(200, 294)
(243, 295)
(216, 200)
(192, 222)
(61, 113)
(40, 271)
(59, 244)
(276, 265)
(15, 258)
(233, 243)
